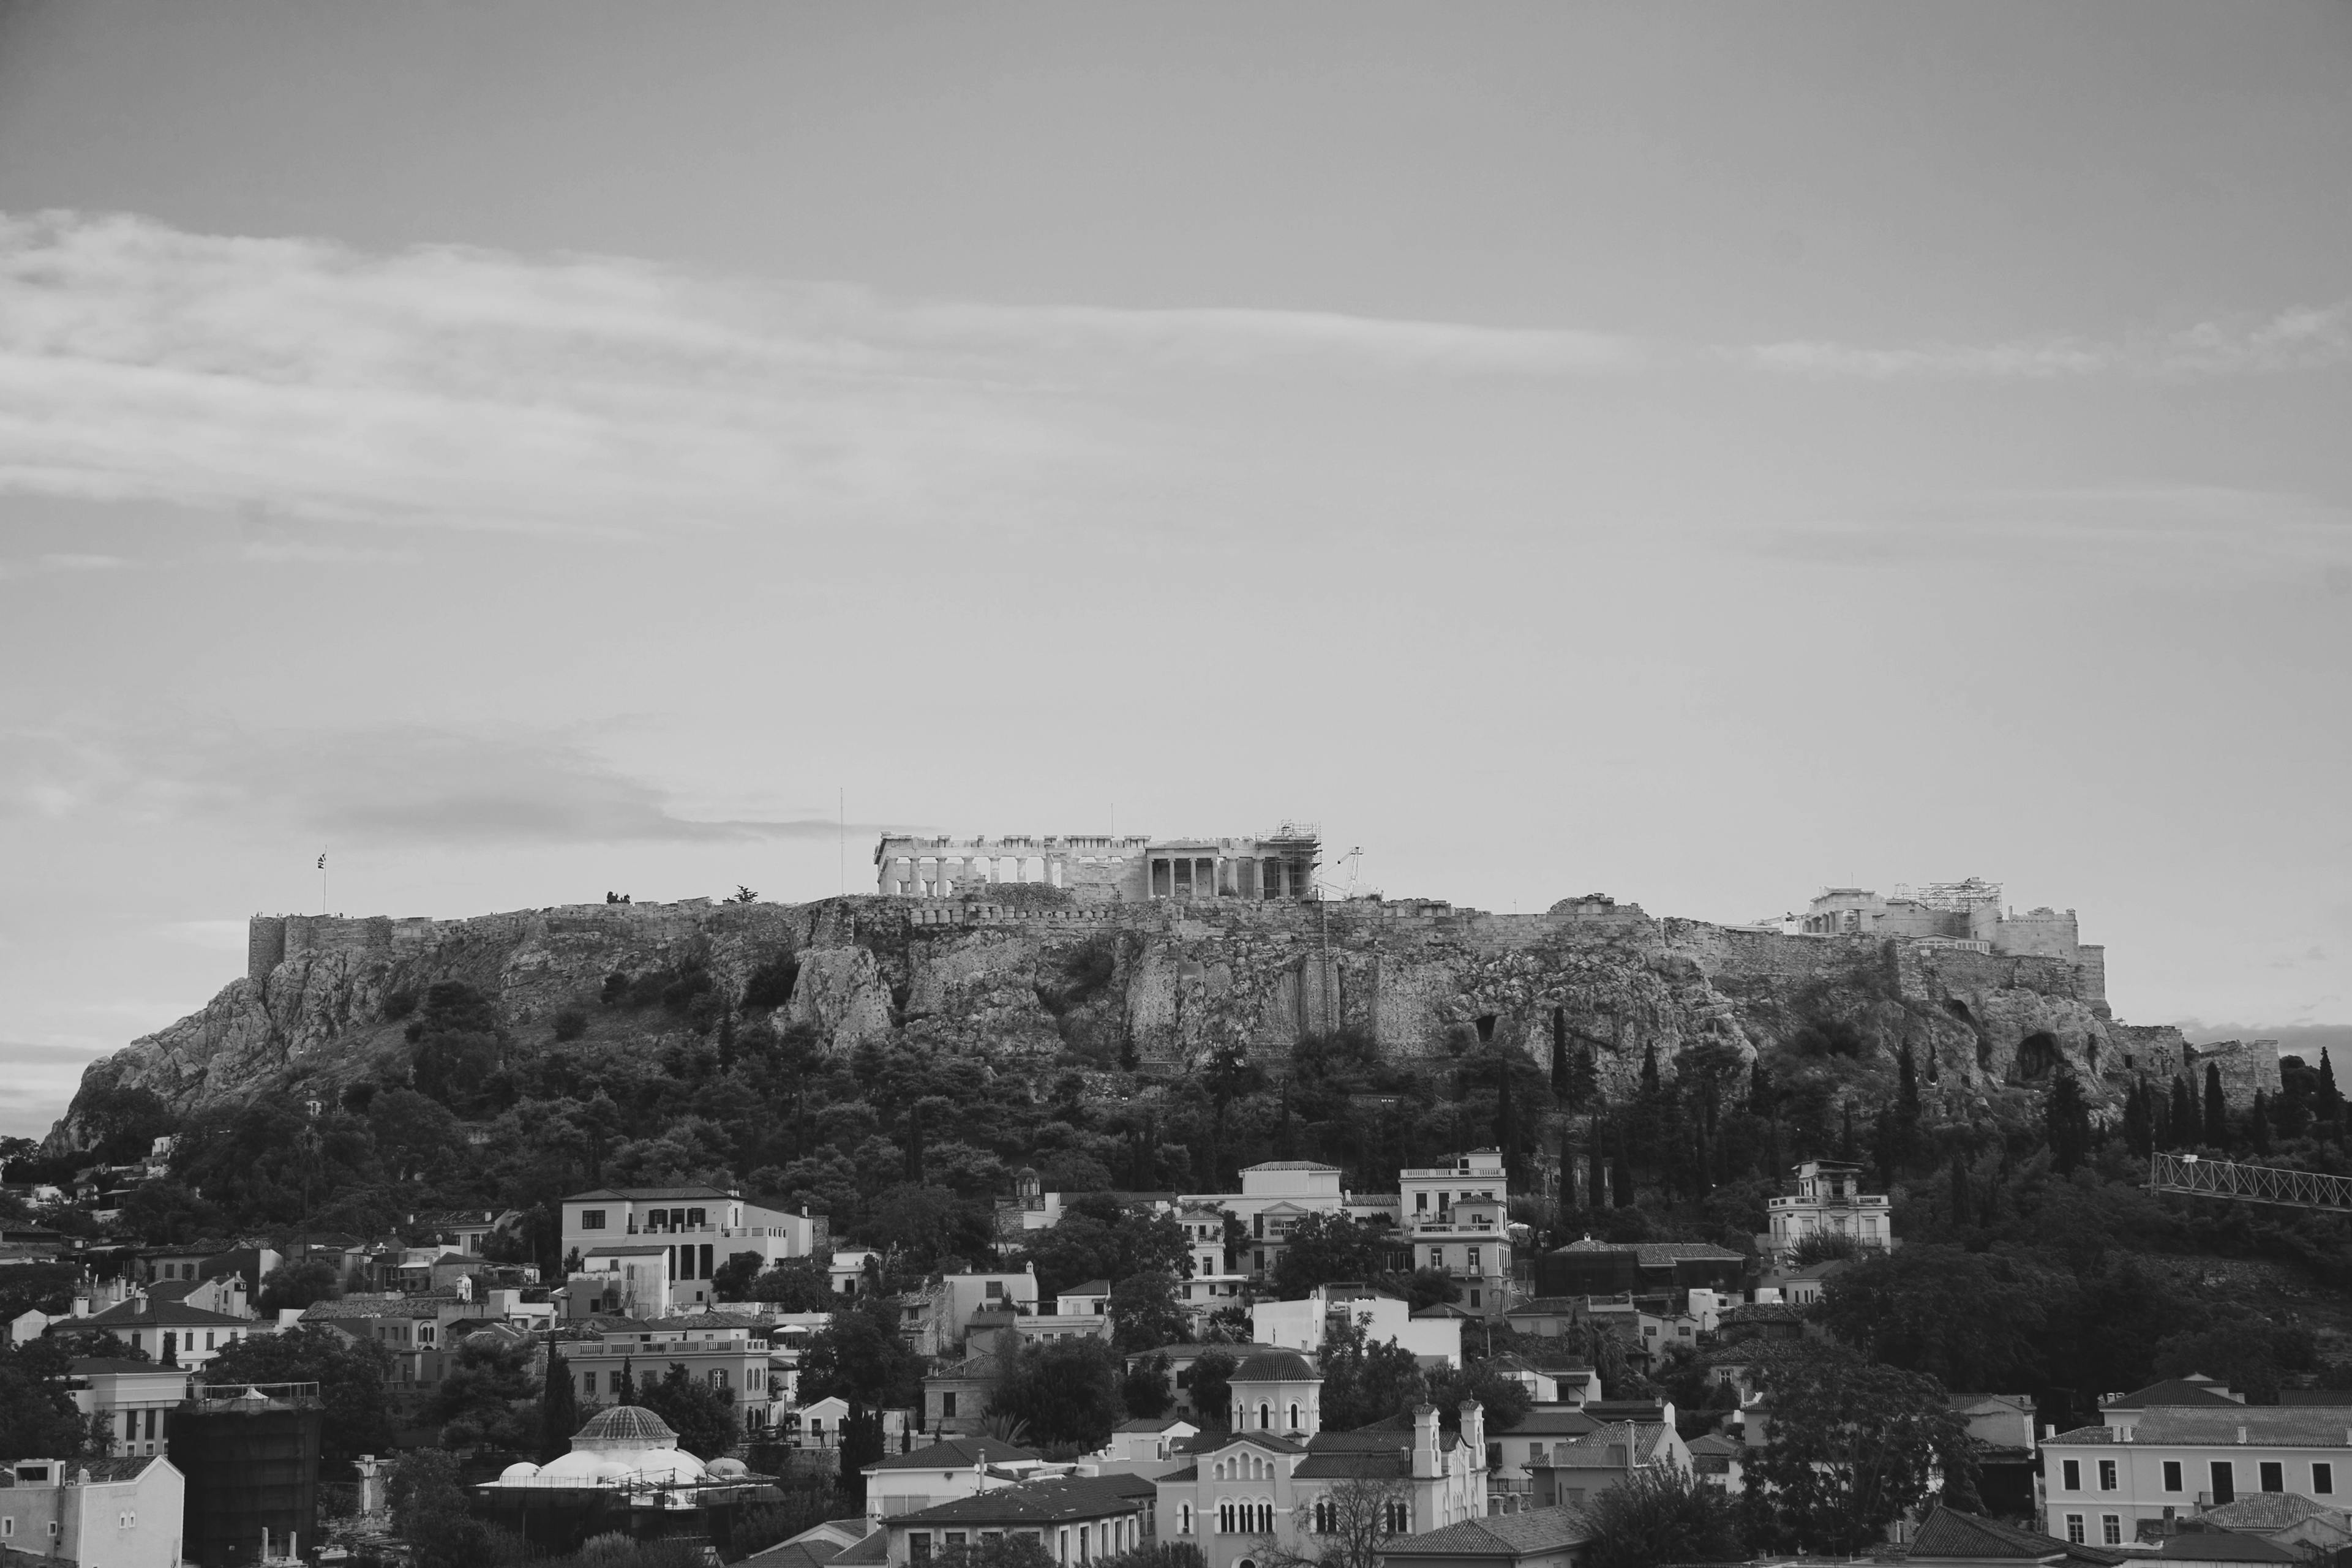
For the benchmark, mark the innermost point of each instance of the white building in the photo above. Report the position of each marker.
(135, 1398)
(721, 1350)
(1271, 1485)
(1300, 1326)
(1456, 1219)
(168, 1331)
(1829, 1201)
(2170, 1450)
(102, 1513)
(950, 1468)
(697, 1229)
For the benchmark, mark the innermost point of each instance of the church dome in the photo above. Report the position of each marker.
(626, 1427)
(1275, 1367)
(522, 1470)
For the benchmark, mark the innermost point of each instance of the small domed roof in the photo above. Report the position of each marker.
(522, 1470)
(625, 1426)
(1277, 1366)
(729, 1467)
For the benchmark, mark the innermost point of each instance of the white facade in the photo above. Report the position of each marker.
(2101, 1484)
(136, 1400)
(1456, 1218)
(699, 1229)
(102, 1513)
(1829, 1201)
(1300, 1326)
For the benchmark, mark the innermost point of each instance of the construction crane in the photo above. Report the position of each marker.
(2198, 1177)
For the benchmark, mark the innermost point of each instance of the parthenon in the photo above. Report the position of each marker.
(1138, 869)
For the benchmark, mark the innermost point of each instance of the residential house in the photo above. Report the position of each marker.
(120, 1512)
(1270, 1484)
(1076, 1518)
(1181, 1359)
(1829, 1204)
(1144, 1446)
(1511, 1456)
(818, 1426)
(941, 1318)
(1302, 1324)
(956, 1393)
(1455, 1217)
(1671, 1268)
(1569, 1385)
(2225, 1549)
(1213, 1283)
(1948, 1538)
(2185, 1445)
(223, 1294)
(170, 1331)
(2286, 1519)
(1538, 1538)
(1275, 1197)
(695, 1229)
(135, 1399)
(1720, 1462)
(412, 1329)
(2008, 1462)
(723, 1350)
(1091, 1299)
(941, 1472)
(1581, 1468)
(463, 1230)
(847, 1270)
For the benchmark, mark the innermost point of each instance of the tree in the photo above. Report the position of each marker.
(1973, 1320)
(797, 1285)
(1144, 1312)
(427, 1495)
(1325, 1248)
(2139, 1128)
(484, 1403)
(2258, 1123)
(1906, 1107)
(352, 1376)
(1348, 1525)
(1066, 1390)
(2068, 1122)
(1211, 1389)
(1662, 1514)
(624, 1386)
(1003, 1549)
(559, 1408)
(1504, 1398)
(2243, 1350)
(1098, 1240)
(1145, 1390)
(859, 1357)
(299, 1284)
(2186, 1122)
(1850, 1448)
(38, 1417)
(703, 1416)
(2217, 1108)
(1364, 1381)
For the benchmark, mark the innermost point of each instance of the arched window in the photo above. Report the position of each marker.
(1294, 1416)
(1220, 1470)
(1266, 1518)
(1399, 1519)
(1226, 1516)
(1183, 1519)
(1322, 1516)
(1265, 1417)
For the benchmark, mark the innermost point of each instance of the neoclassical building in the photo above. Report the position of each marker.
(1278, 1480)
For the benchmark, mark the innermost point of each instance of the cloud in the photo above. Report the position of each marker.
(62, 562)
(2300, 338)
(388, 785)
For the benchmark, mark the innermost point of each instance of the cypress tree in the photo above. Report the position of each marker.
(1650, 1068)
(1885, 1136)
(2185, 1124)
(914, 1144)
(2217, 1108)
(1507, 1118)
(1560, 1080)
(1596, 1175)
(2331, 1102)
(1846, 1150)
(1621, 1177)
(2139, 1126)
(624, 1391)
(1959, 1192)
(2068, 1122)
(559, 1408)
(2258, 1123)
(1906, 1108)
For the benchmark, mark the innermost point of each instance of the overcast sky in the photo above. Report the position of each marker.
(1693, 454)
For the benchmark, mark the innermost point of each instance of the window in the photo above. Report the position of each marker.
(2071, 1471)
(2225, 1483)
(1294, 1418)
(591, 1220)
(995, 1290)
(956, 1538)
(2074, 1529)
(2172, 1475)
(1323, 1522)
(1265, 1417)
(129, 1423)
(1398, 1518)
(2323, 1480)
(1421, 1203)
(2272, 1475)
(1474, 1259)
(588, 1383)
(1473, 1298)
(1226, 1516)
(695, 1219)
(7, 1527)
(2111, 1529)
(918, 1546)
(2106, 1475)
(208, 1339)
(1183, 1519)
(1437, 1257)
(947, 1403)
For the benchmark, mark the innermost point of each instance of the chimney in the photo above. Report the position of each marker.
(2049, 1430)
(2242, 1434)
(1424, 1442)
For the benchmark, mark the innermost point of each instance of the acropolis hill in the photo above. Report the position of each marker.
(983, 968)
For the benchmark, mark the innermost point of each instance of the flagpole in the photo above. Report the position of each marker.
(322, 882)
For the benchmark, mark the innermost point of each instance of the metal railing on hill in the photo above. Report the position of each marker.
(2200, 1178)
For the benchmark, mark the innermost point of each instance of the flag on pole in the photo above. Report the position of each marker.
(322, 859)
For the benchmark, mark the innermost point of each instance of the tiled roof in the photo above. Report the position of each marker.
(1658, 1254)
(1091, 1288)
(1947, 1533)
(2223, 1546)
(2263, 1510)
(874, 1549)
(1275, 1367)
(2271, 1425)
(797, 1554)
(97, 1365)
(1593, 1448)
(954, 1454)
(1291, 1166)
(2174, 1390)
(627, 1252)
(2328, 1399)
(162, 1315)
(1061, 1498)
(651, 1193)
(1716, 1445)
(378, 1307)
(1552, 1424)
(1539, 1305)
(1154, 1424)
(1371, 1464)
(1498, 1535)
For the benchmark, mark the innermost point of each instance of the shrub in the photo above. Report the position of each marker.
(399, 1005)
(771, 985)
(616, 989)
(571, 1024)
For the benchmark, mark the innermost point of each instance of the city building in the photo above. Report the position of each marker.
(1581, 1469)
(1829, 1203)
(941, 1472)
(1455, 1217)
(625, 1474)
(1277, 1479)
(1302, 1324)
(662, 1245)
(136, 1400)
(2170, 1450)
(102, 1513)
(723, 1350)
(169, 1330)
(250, 1453)
(1539, 1537)
(1076, 1520)
(1948, 1538)
(1671, 1268)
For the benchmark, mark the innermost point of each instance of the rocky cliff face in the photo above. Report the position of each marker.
(1164, 984)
